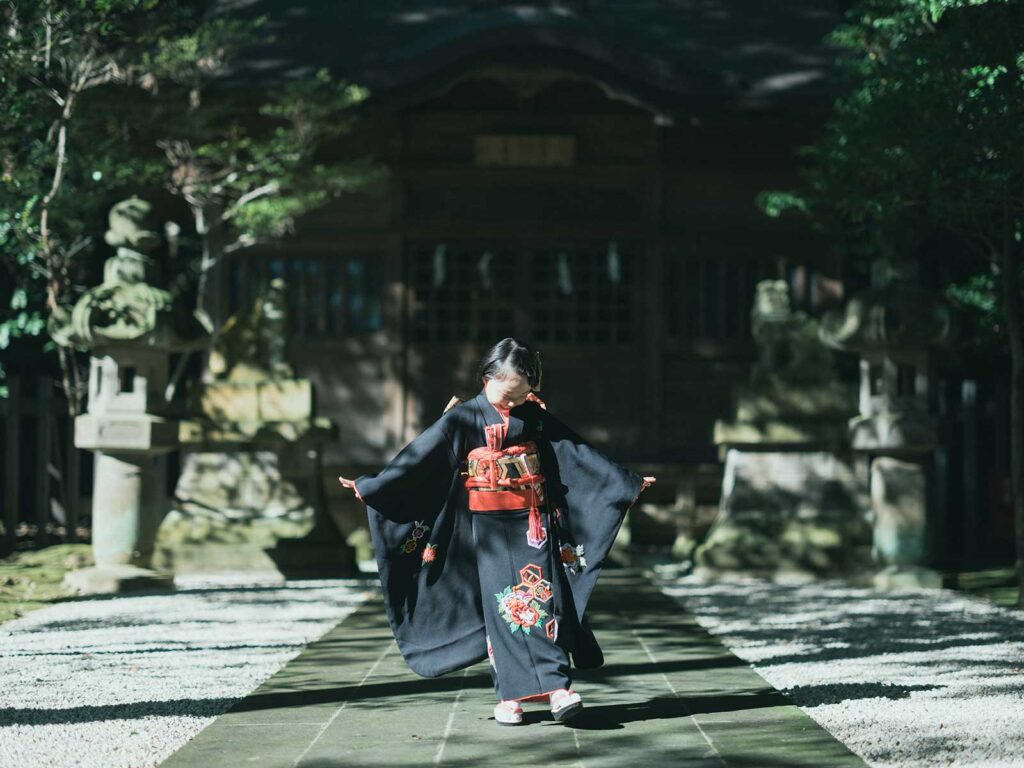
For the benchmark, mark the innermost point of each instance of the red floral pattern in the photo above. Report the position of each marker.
(519, 609)
(520, 605)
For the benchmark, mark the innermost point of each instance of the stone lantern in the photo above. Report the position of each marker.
(130, 328)
(895, 326)
(792, 506)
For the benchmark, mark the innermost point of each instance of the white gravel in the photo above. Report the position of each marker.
(126, 681)
(911, 678)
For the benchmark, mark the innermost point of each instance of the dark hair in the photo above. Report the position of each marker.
(511, 355)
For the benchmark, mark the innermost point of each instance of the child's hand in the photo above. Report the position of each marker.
(350, 484)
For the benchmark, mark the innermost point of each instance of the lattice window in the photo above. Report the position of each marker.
(462, 293)
(711, 298)
(583, 295)
(577, 294)
(328, 296)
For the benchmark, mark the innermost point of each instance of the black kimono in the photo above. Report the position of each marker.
(462, 586)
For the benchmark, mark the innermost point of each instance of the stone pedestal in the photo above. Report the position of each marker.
(901, 536)
(791, 505)
(115, 579)
(900, 576)
(786, 514)
(250, 489)
(255, 504)
(127, 500)
(127, 506)
(219, 492)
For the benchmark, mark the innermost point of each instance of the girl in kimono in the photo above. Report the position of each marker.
(489, 531)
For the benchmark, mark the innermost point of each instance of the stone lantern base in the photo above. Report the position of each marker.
(116, 579)
(252, 500)
(901, 525)
(793, 515)
(899, 576)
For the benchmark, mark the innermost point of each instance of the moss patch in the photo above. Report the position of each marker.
(30, 580)
(177, 529)
(998, 585)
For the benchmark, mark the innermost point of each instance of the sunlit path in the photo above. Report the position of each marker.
(668, 695)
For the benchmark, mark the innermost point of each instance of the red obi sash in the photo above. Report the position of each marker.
(507, 479)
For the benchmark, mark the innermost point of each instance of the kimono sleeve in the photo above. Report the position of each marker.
(422, 541)
(585, 478)
(415, 484)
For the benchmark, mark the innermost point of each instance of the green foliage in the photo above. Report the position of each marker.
(58, 158)
(775, 202)
(927, 139)
(185, 51)
(977, 294)
(107, 99)
(253, 175)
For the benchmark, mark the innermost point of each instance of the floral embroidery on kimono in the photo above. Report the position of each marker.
(552, 629)
(429, 553)
(572, 557)
(519, 610)
(490, 652)
(412, 543)
(520, 605)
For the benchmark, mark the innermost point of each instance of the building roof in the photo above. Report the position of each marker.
(660, 54)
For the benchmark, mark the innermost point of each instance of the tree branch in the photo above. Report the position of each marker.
(244, 241)
(267, 189)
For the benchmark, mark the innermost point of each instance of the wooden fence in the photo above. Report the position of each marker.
(42, 471)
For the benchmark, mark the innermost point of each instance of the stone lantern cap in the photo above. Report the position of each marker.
(794, 398)
(126, 312)
(894, 313)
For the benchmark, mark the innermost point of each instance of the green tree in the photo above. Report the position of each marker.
(248, 167)
(108, 98)
(57, 156)
(930, 137)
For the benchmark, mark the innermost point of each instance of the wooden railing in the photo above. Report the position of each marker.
(41, 470)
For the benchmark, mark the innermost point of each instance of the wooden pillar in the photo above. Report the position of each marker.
(653, 293)
(72, 482)
(44, 444)
(11, 462)
(403, 273)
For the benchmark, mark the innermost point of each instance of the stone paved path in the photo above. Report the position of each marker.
(669, 695)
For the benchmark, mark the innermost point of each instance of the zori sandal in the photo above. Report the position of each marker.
(565, 703)
(508, 712)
